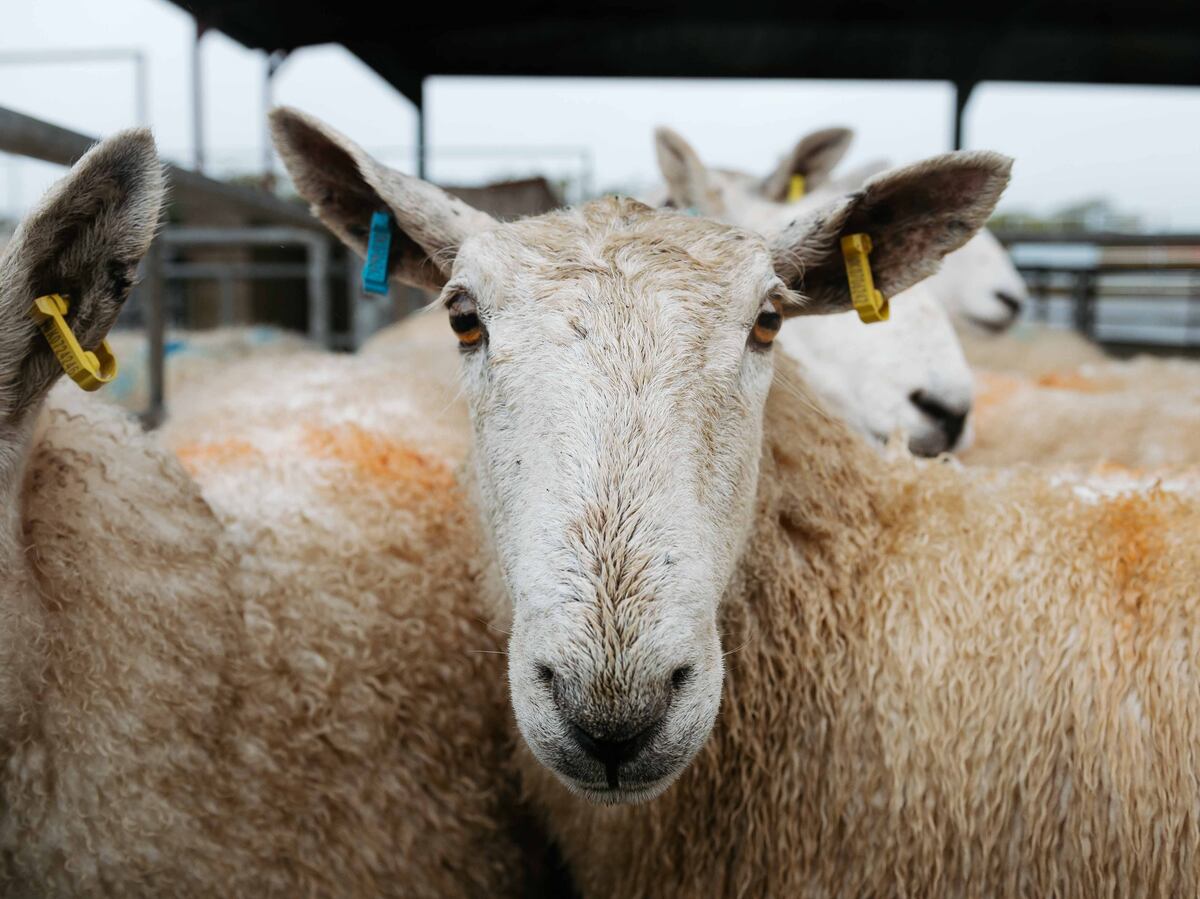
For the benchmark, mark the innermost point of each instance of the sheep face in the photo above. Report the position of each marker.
(616, 382)
(980, 285)
(616, 363)
(905, 376)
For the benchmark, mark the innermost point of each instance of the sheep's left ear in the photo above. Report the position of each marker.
(814, 157)
(84, 242)
(914, 216)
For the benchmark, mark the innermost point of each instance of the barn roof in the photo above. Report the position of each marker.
(1099, 41)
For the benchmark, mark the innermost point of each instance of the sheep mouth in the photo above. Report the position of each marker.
(991, 325)
(627, 793)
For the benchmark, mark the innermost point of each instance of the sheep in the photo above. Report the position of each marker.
(280, 686)
(904, 375)
(1143, 415)
(1030, 350)
(977, 283)
(190, 357)
(932, 681)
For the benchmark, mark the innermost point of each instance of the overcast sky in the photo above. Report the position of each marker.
(1140, 147)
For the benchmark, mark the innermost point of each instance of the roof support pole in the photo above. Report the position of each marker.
(962, 94)
(275, 60)
(197, 101)
(420, 92)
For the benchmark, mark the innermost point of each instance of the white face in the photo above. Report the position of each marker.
(979, 284)
(907, 374)
(616, 391)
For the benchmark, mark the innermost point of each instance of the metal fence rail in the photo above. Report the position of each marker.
(1136, 290)
(366, 312)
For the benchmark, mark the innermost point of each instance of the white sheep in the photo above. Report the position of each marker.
(190, 358)
(282, 687)
(905, 375)
(931, 681)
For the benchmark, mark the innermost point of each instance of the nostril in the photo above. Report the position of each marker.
(1013, 303)
(612, 752)
(680, 677)
(544, 674)
(950, 420)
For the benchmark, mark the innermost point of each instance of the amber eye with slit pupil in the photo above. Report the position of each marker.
(766, 327)
(464, 321)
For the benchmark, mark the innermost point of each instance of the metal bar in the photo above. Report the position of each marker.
(26, 136)
(318, 291)
(421, 148)
(197, 101)
(1099, 238)
(238, 271)
(962, 95)
(91, 54)
(154, 310)
(225, 286)
(207, 237)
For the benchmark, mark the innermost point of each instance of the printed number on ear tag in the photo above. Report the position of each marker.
(89, 369)
(869, 303)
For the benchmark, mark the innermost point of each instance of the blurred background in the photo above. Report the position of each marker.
(530, 106)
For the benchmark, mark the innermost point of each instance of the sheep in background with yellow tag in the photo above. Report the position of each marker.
(295, 696)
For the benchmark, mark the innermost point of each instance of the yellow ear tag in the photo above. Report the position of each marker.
(88, 369)
(795, 188)
(869, 303)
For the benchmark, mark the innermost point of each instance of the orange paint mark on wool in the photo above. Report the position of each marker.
(378, 457)
(993, 389)
(1132, 530)
(218, 454)
(1069, 380)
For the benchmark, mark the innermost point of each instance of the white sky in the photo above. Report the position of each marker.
(1138, 146)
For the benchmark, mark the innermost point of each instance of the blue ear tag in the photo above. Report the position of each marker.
(379, 244)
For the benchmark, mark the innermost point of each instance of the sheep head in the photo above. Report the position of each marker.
(616, 360)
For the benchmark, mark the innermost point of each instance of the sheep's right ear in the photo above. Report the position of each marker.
(814, 157)
(913, 215)
(346, 186)
(687, 180)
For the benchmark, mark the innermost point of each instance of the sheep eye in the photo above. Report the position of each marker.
(767, 325)
(464, 321)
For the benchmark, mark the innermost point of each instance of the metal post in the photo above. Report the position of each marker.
(154, 309)
(197, 101)
(141, 90)
(318, 290)
(275, 61)
(421, 129)
(962, 94)
(1085, 303)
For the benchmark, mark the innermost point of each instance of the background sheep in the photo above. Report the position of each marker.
(191, 358)
(283, 688)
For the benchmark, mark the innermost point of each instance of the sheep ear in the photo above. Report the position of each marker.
(814, 157)
(687, 179)
(346, 187)
(914, 216)
(84, 242)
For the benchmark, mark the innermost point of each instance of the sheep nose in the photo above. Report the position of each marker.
(614, 747)
(1013, 303)
(950, 420)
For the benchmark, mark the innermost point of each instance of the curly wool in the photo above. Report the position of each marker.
(940, 682)
(283, 686)
(1143, 414)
